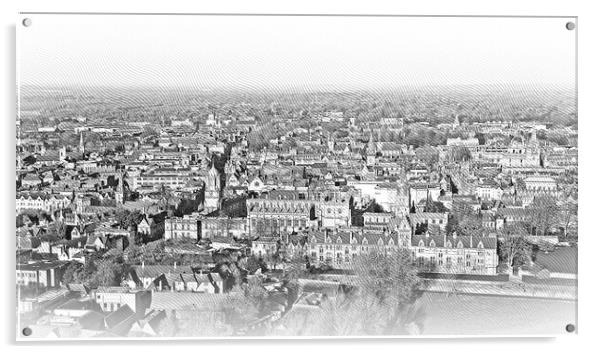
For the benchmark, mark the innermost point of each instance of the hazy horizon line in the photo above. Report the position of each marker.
(303, 87)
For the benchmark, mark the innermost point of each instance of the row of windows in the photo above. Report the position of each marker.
(275, 223)
(39, 200)
(339, 257)
(184, 234)
(183, 226)
(223, 233)
(275, 204)
(432, 221)
(27, 275)
(376, 220)
(449, 261)
(541, 188)
(347, 251)
(242, 227)
(340, 248)
(432, 244)
(110, 306)
(380, 242)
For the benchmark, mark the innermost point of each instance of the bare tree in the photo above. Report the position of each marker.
(379, 303)
(567, 218)
(470, 225)
(514, 250)
(543, 214)
(391, 282)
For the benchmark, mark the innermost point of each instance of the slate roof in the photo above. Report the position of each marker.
(347, 238)
(190, 301)
(153, 271)
(439, 239)
(122, 317)
(516, 213)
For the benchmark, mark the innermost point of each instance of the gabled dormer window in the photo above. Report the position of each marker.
(339, 240)
(421, 243)
(364, 241)
(448, 244)
(432, 244)
(480, 245)
(313, 239)
(460, 245)
(380, 242)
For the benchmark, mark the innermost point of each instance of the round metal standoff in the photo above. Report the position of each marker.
(27, 331)
(570, 328)
(570, 26)
(27, 22)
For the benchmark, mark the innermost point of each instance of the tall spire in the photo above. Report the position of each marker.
(214, 177)
(533, 138)
(456, 121)
(82, 147)
(371, 150)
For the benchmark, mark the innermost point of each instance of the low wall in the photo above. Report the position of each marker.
(476, 277)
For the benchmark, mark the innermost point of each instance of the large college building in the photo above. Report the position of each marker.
(287, 211)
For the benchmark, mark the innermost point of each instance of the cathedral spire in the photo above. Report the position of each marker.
(82, 147)
(371, 149)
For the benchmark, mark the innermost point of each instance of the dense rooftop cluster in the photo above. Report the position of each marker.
(148, 220)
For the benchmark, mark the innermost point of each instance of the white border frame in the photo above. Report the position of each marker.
(589, 73)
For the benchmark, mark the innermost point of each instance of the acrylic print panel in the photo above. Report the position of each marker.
(210, 176)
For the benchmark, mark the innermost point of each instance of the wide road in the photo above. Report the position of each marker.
(493, 315)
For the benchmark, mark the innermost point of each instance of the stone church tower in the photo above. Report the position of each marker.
(371, 152)
(213, 190)
(120, 191)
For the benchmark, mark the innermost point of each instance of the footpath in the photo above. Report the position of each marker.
(510, 288)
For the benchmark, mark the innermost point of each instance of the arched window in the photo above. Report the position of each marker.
(480, 245)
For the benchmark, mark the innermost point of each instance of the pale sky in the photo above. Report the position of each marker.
(345, 52)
